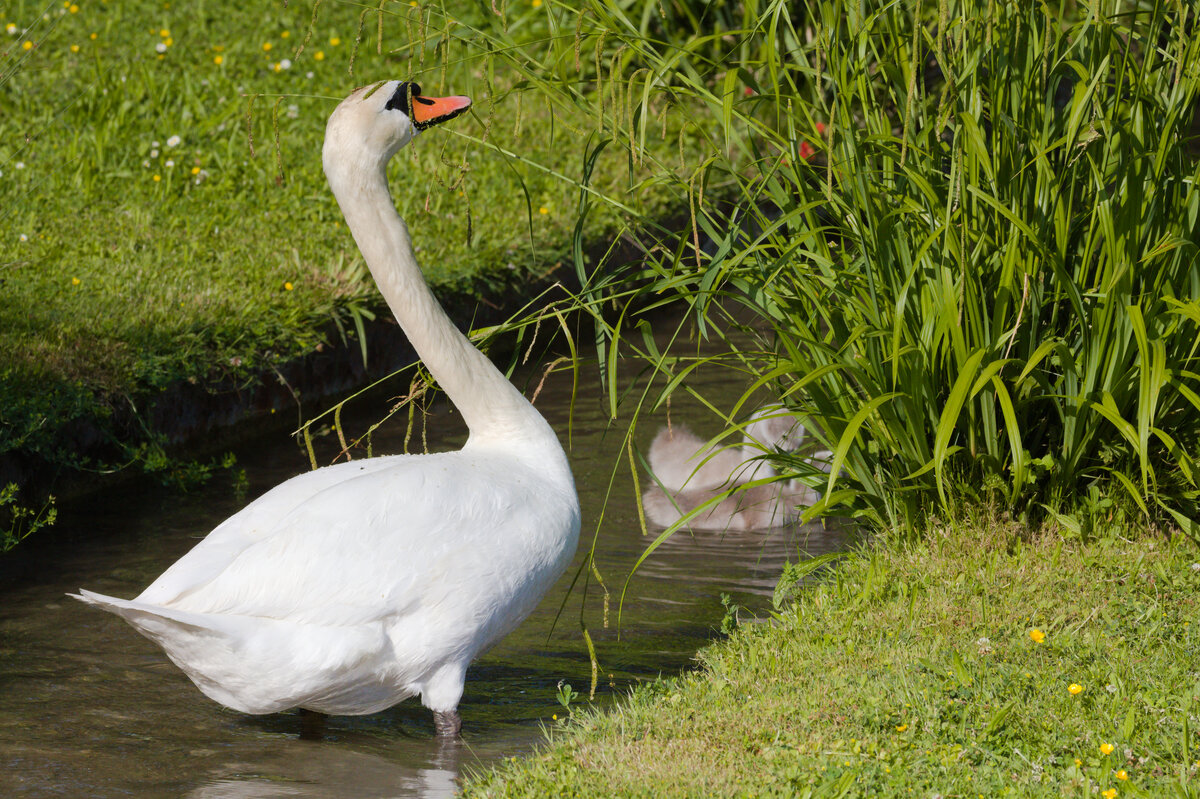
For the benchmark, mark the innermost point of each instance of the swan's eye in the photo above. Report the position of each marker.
(401, 99)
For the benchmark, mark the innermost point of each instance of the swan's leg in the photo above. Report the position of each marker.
(312, 725)
(441, 693)
(447, 723)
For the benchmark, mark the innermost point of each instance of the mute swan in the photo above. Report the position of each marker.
(354, 586)
(689, 474)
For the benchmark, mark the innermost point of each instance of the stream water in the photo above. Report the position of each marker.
(89, 708)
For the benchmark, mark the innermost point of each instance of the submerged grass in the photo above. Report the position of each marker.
(981, 662)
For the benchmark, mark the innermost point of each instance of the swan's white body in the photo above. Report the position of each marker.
(689, 473)
(352, 587)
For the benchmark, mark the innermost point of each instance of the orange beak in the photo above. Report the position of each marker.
(428, 111)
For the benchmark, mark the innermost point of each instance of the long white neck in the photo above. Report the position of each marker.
(491, 406)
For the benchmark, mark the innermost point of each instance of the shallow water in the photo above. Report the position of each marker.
(90, 708)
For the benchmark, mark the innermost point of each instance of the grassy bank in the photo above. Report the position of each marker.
(165, 219)
(943, 668)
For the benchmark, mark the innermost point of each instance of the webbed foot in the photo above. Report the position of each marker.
(447, 724)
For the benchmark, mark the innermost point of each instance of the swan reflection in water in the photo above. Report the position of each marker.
(307, 771)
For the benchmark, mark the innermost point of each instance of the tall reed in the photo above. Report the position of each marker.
(966, 233)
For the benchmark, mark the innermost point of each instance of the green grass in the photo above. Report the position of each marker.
(910, 670)
(165, 216)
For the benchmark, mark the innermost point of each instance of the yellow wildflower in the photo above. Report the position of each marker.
(219, 60)
(319, 55)
(267, 47)
(27, 45)
(1075, 689)
(1037, 635)
(164, 33)
(74, 9)
(901, 727)
(1106, 749)
(288, 286)
(1122, 775)
(75, 281)
(1111, 793)
(334, 41)
(74, 48)
(157, 178)
(93, 36)
(543, 210)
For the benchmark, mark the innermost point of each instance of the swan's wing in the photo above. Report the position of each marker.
(258, 520)
(415, 532)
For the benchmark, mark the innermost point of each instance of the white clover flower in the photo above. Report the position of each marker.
(173, 141)
(285, 63)
(170, 163)
(146, 164)
(154, 153)
(11, 29)
(153, 144)
(308, 75)
(293, 111)
(19, 165)
(1196, 567)
(23, 237)
(160, 48)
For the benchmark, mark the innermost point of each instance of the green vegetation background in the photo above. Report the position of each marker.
(164, 216)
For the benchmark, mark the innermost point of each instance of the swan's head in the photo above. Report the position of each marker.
(373, 123)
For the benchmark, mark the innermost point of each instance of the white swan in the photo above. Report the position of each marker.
(689, 474)
(352, 587)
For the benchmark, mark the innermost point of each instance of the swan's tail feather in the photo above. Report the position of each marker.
(141, 615)
(255, 665)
